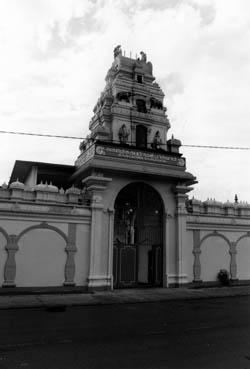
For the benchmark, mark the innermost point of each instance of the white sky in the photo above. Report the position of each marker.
(55, 55)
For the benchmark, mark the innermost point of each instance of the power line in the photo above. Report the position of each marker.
(218, 147)
(41, 135)
(82, 138)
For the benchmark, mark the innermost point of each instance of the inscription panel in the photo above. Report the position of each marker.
(139, 155)
(127, 153)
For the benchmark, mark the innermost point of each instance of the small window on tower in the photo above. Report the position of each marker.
(141, 106)
(139, 78)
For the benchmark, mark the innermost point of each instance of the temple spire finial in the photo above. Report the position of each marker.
(143, 56)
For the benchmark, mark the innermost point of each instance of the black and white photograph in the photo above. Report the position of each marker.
(125, 184)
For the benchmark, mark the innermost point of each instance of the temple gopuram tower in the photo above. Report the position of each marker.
(136, 182)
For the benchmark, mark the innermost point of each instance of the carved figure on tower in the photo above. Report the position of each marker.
(157, 141)
(123, 134)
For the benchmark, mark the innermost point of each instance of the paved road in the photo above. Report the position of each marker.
(204, 334)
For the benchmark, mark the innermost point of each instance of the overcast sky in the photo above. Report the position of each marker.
(55, 55)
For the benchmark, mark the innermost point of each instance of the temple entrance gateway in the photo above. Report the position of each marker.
(138, 237)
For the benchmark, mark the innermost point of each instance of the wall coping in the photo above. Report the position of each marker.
(217, 208)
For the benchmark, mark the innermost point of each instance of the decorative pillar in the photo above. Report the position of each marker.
(233, 263)
(96, 185)
(10, 265)
(181, 231)
(70, 250)
(197, 252)
(110, 256)
(166, 240)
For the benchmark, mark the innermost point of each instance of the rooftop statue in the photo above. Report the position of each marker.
(143, 56)
(117, 51)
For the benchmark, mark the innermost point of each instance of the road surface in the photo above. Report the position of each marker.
(202, 334)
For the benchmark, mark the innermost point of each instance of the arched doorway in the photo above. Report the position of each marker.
(138, 237)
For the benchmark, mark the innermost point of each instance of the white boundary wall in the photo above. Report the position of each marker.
(44, 238)
(218, 236)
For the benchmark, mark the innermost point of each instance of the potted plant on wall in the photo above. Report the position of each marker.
(223, 277)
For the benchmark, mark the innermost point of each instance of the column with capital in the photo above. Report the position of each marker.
(97, 279)
(10, 265)
(167, 217)
(196, 253)
(233, 263)
(110, 248)
(70, 249)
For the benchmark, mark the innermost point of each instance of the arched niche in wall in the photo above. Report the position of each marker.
(243, 258)
(156, 104)
(214, 256)
(141, 136)
(123, 96)
(141, 106)
(41, 258)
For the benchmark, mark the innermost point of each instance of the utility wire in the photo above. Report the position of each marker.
(82, 138)
(41, 135)
(218, 147)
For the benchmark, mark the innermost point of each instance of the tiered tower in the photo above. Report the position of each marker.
(123, 163)
(129, 116)
(131, 102)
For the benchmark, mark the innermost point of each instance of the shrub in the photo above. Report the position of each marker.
(223, 277)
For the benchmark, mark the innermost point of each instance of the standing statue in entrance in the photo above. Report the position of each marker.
(130, 227)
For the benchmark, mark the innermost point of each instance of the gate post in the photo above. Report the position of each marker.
(165, 250)
(181, 216)
(110, 258)
(99, 277)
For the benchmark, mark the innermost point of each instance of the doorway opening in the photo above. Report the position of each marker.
(138, 237)
(141, 137)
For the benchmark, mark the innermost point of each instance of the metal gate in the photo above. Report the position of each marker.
(137, 255)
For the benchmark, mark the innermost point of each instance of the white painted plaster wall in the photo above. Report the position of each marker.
(243, 259)
(15, 225)
(188, 256)
(82, 254)
(214, 256)
(40, 259)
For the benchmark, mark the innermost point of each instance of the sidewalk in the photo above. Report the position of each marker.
(124, 296)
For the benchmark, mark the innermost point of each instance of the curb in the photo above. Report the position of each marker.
(58, 302)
